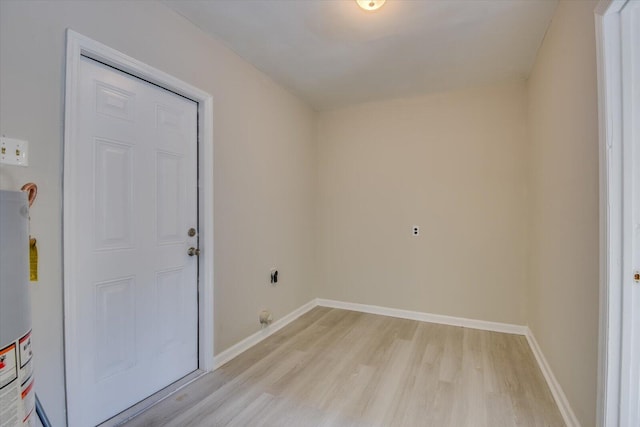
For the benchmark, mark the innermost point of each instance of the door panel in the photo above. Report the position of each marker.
(170, 199)
(136, 303)
(113, 190)
(115, 323)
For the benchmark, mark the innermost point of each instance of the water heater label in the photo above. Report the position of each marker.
(17, 396)
(9, 391)
(25, 349)
(8, 369)
(28, 397)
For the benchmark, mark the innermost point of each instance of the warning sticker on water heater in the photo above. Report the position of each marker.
(9, 391)
(8, 367)
(28, 396)
(17, 395)
(25, 349)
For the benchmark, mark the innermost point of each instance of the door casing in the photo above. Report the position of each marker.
(78, 46)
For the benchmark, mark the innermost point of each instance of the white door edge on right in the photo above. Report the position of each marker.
(630, 360)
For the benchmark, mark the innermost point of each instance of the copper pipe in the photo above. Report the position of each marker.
(32, 190)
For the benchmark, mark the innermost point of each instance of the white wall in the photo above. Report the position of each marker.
(265, 170)
(562, 298)
(452, 163)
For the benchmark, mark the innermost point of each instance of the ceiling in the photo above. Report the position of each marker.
(332, 54)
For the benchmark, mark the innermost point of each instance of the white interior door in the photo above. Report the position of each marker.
(630, 366)
(135, 306)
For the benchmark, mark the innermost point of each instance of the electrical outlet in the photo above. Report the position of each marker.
(415, 230)
(274, 276)
(14, 152)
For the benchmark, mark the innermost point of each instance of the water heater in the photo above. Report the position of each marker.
(17, 396)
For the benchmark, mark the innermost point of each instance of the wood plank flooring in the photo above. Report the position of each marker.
(336, 367)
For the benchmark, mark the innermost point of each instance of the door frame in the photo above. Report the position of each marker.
(613, 398)
(78, 46)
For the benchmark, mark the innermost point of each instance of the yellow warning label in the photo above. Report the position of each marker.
(33, 260)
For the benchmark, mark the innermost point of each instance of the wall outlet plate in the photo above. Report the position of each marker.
(415, 230)
(14, 152)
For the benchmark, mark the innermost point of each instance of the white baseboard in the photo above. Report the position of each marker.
(559, 396)
(251, 340)
(561, 399)
(426, 317)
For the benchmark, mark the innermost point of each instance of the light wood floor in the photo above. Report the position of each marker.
(343, 368)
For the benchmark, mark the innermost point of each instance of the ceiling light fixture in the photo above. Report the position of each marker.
(370, 4)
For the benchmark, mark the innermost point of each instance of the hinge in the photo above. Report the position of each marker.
(636, 276)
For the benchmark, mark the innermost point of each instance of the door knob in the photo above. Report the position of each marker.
(193, 251)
